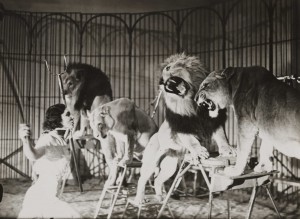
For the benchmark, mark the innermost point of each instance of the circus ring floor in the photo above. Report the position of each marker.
(186, 207)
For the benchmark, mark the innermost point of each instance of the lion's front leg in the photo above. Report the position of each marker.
(179, 141)
(128, 150)
(150, 157)
(191, 143)
(245, 140)
(168, 167)
(108, 147)
(76, 119)
(84, 126)
(225, 149)
(113, 173)
(265, 159)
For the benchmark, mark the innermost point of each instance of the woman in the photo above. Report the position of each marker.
(51, 157)
(53, 133)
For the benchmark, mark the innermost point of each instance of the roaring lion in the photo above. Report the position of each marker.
(186, 128)
(262, 104)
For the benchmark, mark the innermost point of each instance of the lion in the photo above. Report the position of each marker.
(186, 128)
(130, 126)
(263, 105)
(84, 87)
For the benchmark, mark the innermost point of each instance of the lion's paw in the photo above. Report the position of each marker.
(233, 171)
(202, 153)
(78, 134)
(195, 160)
(159, 198)
(138, 200)
(227, 151)
(263, 167)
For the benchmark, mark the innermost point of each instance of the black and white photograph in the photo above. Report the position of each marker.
(150, 109)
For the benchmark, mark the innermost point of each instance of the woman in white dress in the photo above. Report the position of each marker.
(51, 157)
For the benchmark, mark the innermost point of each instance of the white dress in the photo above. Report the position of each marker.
(41, 199)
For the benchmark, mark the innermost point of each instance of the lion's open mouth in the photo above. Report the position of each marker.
(176, 85)
(209, 104)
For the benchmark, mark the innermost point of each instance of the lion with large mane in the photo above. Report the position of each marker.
(262, 104)
(187, 128)
(85, 87)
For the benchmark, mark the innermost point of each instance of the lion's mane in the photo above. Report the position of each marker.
(192, 64)
(88, 82)
(201, 124)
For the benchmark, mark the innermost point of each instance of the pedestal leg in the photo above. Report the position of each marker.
(251, 203)
(269, 193)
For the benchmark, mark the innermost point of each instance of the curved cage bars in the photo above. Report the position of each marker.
(14, 88)
(133, 32)
(173, 21)
(222, 18)
(107, 34)
(105, 15)
(38, 32)
(151, 14)
(20, 17)
(155, 37)
(85, 25)
(214, 11)
(68, 18)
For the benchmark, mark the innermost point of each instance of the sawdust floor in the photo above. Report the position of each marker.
(186, 207)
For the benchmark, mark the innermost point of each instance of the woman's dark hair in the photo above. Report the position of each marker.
(53, 118)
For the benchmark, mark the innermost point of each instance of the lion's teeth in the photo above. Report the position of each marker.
(168, 89)
(208, 102)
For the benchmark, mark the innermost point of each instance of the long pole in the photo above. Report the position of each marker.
(71, 141)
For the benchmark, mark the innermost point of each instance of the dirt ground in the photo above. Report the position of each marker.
(185, 207)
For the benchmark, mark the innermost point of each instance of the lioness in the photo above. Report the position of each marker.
(261, 104)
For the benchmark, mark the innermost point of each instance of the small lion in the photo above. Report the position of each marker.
(262, 104)
(130, 126)
(187, 128)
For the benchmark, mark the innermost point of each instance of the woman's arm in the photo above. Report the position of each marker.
(28, 146)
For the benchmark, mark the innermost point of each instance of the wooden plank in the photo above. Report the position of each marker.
(291, 182)
(220, 182)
